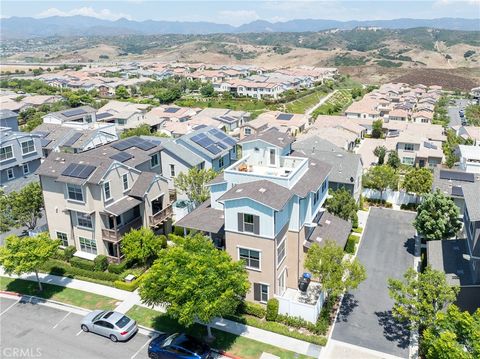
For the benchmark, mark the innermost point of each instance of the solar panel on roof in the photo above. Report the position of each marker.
(44, 142)
(229, 141)
(121, 156)
(141, 143)
(457, 176)
(222, 145)
(74, 112)
(198, 127)
(41, 133)
(172, 109)
(78, 170)
(213, 149)
(457, 191)
(103, 115)
(122, 145)
(198, 137)
(73, 139)
(284, 116)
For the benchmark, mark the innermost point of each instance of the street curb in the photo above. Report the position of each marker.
(15, 294)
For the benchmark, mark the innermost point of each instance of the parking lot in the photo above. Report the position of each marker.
(453, 112)
(386, 251)
(36, 330)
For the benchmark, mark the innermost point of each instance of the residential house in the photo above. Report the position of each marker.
(83, 114)
(285, 122)
(9, 119)
(469, 158)
(469, 133)
(93, 198)
(123, 114)
(230, 120)
(471, 221)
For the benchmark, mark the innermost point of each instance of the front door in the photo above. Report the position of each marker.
(281, 282)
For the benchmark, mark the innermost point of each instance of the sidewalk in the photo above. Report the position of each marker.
(320, 103)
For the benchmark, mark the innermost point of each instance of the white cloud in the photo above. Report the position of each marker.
(104, 14)
(236, 17)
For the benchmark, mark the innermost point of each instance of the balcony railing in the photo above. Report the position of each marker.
(114, 235)
(161, 216)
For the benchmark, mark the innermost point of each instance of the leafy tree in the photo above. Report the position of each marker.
(420, 296)
(207, 90)
(26, 255)
(393, 160)
(418, 181)
(334, 271)
(185, 278)
(141, 130)
(454, 334)
(437, 217)
(381, 178)
(380, 152)
(342, 204)
(168, 95)
(6, 221)
(377, 128)
(26, 205)
(121, 92)
(193, 184)
(142, 245)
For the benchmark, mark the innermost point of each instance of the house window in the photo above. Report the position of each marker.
(10, 174)
(28, 147)
(272, 156)
(250, 256)
(408, 160)
(75, 192)
(408, 147)
(324, 186)
(220, 162)
(316, 197)
(84, 220)
(172, 170)
(248, 224)
(260, 292)
(88, 245)
(6, 153)
(106, 191)
(26, 169)
(281, 251)
(154, 160)
(125, 181)
(63, 238)
(247, 131)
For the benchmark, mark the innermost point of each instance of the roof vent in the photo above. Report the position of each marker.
(239, 190)
(327, 221)
(262, 190)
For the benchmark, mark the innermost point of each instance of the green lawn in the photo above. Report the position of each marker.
(335, 105)
(61, 294)
(304, 103)
(239, 346)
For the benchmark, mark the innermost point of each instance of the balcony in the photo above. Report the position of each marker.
(115, 234)
(162, 216)
(306, 305)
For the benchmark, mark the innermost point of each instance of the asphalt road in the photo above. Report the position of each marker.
(453, 112)
(39, 331)
(386, 251)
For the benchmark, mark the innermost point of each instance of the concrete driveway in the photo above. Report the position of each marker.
(386, 251)
(455, 119)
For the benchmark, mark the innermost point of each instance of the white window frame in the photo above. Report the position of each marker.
(244, 222)
(33, 145)
(259, 269)
(262, 286)
(59, 237)
(172, 170)
(247, 131)
(11, 150)
(221, 163)
(283, 243)
(282, 275)
(409, 145)
(156, 155)
(125, 176)
(83, 219)
(90, 246)
(109, 191)
(74, 199)
(10, 174)
(25, 165)
(274, 156)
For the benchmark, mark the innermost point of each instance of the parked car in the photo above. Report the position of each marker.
(178, 345)
(110, 324)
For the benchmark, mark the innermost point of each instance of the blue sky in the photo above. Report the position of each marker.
(239, 12)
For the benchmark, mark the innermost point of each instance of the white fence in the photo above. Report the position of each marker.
(395, 197)
(293, 308)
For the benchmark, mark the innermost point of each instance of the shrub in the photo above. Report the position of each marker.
(325, 318)
(119, 284)
(163, 240)
(117, 268)
(257, 310)
(409, 206)
(357, 230)
(82, 263)
(178, 231)
(355, 220)
(272, 309)
(64, 269)
(69, 252)
(351, 243)
(100, 263)
(360, 203)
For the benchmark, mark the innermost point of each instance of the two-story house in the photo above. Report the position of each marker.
(20, 156)
(469, 158)
(471, 220)
(265, 209)
(9, 119)
(216, 148)
(83, 114)
(93, 198)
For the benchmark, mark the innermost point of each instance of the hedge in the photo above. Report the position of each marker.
(119, 284)
(69, 252)
(82, 263)
(272, 309)
(257, 310)
(61, 268)
(357, 230)
(409, 206)
(380, 202)
(100, 263)
(117, 268)
(351, 243)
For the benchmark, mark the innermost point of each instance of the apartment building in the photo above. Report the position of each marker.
(266, 209)
(93, 198)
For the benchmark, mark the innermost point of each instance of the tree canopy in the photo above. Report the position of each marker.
(393, 160)
(342, 204)
(418, 181)
(121, 92)
(381, 178)
(26, 255)
(420, 296)
(380, 152)
(335, 272)
(437, 217)
(193, 184)
(195, 281)
(26, 205)
(377, 128)
(207, 90)
(142, 245)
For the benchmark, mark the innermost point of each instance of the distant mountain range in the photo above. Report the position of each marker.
(28, 27)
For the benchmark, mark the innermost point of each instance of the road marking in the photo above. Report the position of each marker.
(141, 348)
(6, 310)
(80, 332)
(61, 320)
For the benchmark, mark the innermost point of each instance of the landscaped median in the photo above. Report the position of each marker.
(61, 294)
(236, 345)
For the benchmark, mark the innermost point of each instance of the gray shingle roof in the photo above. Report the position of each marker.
(312, 179)
(218, 179)
(186, 139)
(447, 185)
(330, 227)
(142, 184)
(4, 114)
(173, 148)
(265, 192)
(204, 218)
(272, 136)
(471, 193)
(122, 205)
(61, 114)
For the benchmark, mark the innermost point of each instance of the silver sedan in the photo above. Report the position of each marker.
(110, 324)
